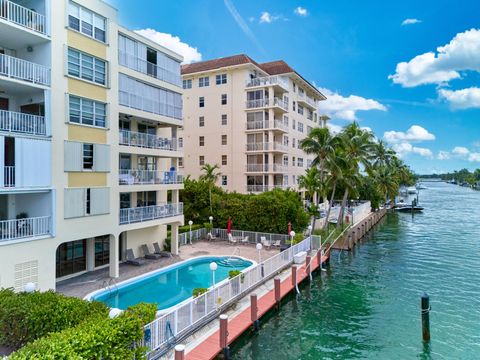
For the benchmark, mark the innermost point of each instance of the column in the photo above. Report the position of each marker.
(174, 237)
(114, 256)
(90, 254)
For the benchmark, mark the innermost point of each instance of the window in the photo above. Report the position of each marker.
(87, 22)
(293, 105)
(201, 140)
(300, 162)
(88, 156)
(293, 124)
(180, 142)
(224, 139)
(285, 121)
(309, 114)
(309, 129)
(201, 121)
(300, 127)
(201, 101)
(201, 160)
(224, 99)
(285, 160)
(301, 91)
(180, 162)
(294, 181)
(294, 87)
(203, 81)
(87, 112)
(221, 79)
(187, 84)
(87, 202)
(224, 159)
(293, 143)
(285, 141)
(293, 160)
(285, 180)
(309, 163)
(300, 109)
(224, 180)
(224, 119)
(86, 67)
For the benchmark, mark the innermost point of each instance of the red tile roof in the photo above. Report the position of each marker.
(217, 64)
(276, 67)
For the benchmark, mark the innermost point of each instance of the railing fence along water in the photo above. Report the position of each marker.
(24, 228)
(145, 213)
(165, 331)
(22, 123)
(24, 70)
(22, 16)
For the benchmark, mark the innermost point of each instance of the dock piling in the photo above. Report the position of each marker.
(425, 317)
(277, 292)
(254, 311)
(307, 266)
(224, 336)
(180, 352)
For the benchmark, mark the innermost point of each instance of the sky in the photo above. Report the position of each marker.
(407, 70)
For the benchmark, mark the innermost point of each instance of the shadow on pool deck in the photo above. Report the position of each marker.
(82, 285)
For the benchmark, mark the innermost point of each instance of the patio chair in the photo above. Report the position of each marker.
(160, 252)
(211, 237)
(231, 239)
(132, 260)
(266, 243)
(148, 254)
(244, 240)
(277, 243)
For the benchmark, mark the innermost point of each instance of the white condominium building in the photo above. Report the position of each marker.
(249, 119)
(89, 113)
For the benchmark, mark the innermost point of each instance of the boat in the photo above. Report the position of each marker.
(411, 190)
(420, 186)
(409, 208)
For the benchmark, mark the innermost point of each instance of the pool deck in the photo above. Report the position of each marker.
(208, 346)
(84, 284)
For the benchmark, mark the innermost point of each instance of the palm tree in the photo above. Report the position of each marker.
(334, 166)
(311, 183)
(386, 182)
(210, 176)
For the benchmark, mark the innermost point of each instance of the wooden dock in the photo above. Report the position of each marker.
(210, 347)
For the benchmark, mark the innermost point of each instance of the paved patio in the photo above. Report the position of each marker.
(84, 284)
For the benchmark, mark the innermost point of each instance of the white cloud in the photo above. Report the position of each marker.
(174, 43)
(335, 129)
(414, 133)
(474, 157)
(443, 155)
(341, 107)
(461, 99)
(405, 148)
(461, 54)
(460, 150)
(301, 11)
(268, 18)
(410, 21)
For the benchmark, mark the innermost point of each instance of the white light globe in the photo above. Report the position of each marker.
(292, 233)
(210, 218)
(259, 246)
(30, 287)
(190, 223)
(310, 227)
(213, 266)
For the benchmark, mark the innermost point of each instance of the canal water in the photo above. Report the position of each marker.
(367, 306)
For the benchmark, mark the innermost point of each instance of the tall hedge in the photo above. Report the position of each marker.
(270, 211)
(25, 317)
(96, 338)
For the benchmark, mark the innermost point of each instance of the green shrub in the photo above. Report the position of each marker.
(25, 317)
(198, 291)
(167, 244)
(186, 228)
(99, 338)
(233, 273)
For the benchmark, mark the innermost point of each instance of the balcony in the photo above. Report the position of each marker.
(263, 146)
(266, 168)
(263, 188)
(307, 101)
(18, 69)
(149, 141)
(262, 103)
(276, 81)
(25, 228)
(147, 213)
(8, 176)
(16, 122)
(267, 125)
(23, 17)
(146, 177)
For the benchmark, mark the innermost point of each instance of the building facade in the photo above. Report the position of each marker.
(89, 113)
(249, 119)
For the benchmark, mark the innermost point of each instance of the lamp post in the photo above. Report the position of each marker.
(292, 236)
(190, 223)
(259, 247)
(30, 287)
(211, 220)
(310, 230)
(213, 267)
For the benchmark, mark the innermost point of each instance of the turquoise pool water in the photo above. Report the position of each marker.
(170, 286)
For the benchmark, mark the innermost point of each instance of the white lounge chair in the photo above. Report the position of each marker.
(231, 239)
(277, 243)
(266, 243)
(244, 240)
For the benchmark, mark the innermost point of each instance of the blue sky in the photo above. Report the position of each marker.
(429, 108)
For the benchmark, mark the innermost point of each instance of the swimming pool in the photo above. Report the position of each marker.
(170, 285)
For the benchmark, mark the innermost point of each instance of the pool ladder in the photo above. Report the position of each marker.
(111, 286)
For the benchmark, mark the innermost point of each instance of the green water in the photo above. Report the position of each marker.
(367, 306)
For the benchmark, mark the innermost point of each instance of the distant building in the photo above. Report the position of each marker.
(248, 118)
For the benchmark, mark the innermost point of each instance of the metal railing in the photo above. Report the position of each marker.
(22, 16)
(306, 99)
(149, 68)
(22, 123)
(181, 321)
(266, 124)
(265, 168)
(264, 146)
(25, 228)
(267, 81)
(16, 68)
(147, 213)
(222, 235)
(258, 103)
(144, 140)
(142, 177)
(280, 103)
(263, 188)
(9, 176)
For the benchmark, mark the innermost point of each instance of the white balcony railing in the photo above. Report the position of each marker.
(259, 103)
(144, 177)
(264, 146)
(280, 103)
(24, 228)
(9, 176)
(279, 168)
(19, 69)
(263, 188)
(22, 16)
(266, 124)
(147, 213)
(149, 68)
(266, 168)
(307, 99)
(267, 81)
(22, 123)
(131, 138)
